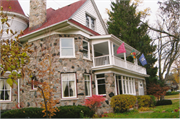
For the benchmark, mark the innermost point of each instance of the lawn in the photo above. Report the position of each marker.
(166, 111)
(172, 96)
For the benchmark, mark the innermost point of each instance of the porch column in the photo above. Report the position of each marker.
(110, 55)
(125, 60)
(93, 55)
(112, 45)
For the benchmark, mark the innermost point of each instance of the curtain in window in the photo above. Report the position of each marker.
(8, 90)
(65, 85)
(87, 85)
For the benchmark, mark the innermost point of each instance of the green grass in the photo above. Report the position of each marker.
(166, 111)
(172, 96)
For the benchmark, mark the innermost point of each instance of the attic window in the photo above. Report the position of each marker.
(90, 22)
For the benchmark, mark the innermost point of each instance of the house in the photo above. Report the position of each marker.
(84, 55)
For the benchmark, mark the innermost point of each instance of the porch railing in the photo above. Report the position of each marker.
(104, 60)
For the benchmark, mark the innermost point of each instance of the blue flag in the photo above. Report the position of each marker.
(142, 59)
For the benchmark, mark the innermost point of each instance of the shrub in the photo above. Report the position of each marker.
(145, 101)
(153, 100)
(73, 112)
(172, 93)
(23, 113)
(164, 102)
(121, 103)
(94, 102)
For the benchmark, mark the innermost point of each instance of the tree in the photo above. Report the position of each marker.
(176, 71)
(14, 56)
(168, 30)
(125, 23)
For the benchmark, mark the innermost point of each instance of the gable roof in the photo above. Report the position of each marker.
(12, 6)
(59, 15)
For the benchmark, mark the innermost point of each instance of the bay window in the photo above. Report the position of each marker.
(87, 83)
(101, 86)
(68, 85)
(86, 49)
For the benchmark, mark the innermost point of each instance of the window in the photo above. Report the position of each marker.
(101, 87)
(68, 85)
(87, 83)
(90, 22)
(126, 85)
(85, 49)
(67, 47)
(5, 91)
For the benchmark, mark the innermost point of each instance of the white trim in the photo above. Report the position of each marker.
(110, 55)
(18, 93)
(75, 83)
(73, 56)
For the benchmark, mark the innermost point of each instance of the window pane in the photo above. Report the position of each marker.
(65, 89)
(67, 52)
(67, 43)
(87, 77)
(101, 89)
(72, 91)
(64, 77)
(87, 88)
(100, 76)
(124, 87)
(85, 54)
(101, 81)
(85, 45)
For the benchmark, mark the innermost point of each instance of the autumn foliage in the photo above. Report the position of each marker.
(94, 102)
(157, 90)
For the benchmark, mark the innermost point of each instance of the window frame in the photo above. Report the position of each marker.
(10, 94)
(90, 85)
(75, 85)
(88, 50)
(97, 84)
(73, 43)
(90, 19)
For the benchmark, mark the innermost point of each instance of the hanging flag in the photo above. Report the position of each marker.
(142, 59)
(133, 54)
(121, 49)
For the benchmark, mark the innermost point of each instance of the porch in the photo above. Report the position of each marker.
(104, 54)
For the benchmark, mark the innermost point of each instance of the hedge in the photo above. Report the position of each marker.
(164, 102)
(172, 93)
(64, 112)
(146, 101)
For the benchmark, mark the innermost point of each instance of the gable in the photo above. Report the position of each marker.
(90, 9)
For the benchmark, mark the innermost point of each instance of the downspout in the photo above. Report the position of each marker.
(18, 94)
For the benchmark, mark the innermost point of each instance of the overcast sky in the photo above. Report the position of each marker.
(101, 4)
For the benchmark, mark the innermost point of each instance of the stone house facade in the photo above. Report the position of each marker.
(83, 58)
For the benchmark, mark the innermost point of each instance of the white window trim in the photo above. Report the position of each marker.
(97, 85)
(88, 51)
(73, 48)
(10, 100)
(125, 79)
(90, 16)
(90, 85)
(73, 97)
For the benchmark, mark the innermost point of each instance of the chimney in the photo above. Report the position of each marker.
(37, 13)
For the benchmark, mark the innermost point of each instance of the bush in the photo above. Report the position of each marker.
(146, 101)
(121, 103)
(153, 100)
(73, 112)
(172, 93)
(164, 102)
(23, 113)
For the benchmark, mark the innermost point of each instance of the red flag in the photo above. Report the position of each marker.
(121, 49)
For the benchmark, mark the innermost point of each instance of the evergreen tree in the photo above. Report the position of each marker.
(125, 24)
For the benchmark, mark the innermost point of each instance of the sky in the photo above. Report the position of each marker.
(101, 4)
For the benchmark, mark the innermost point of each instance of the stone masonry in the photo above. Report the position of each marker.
(37, 13)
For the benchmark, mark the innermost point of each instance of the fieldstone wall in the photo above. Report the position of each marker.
(37, 13)
(78, 65)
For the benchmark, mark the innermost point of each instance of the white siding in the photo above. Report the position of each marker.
(80, 16)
